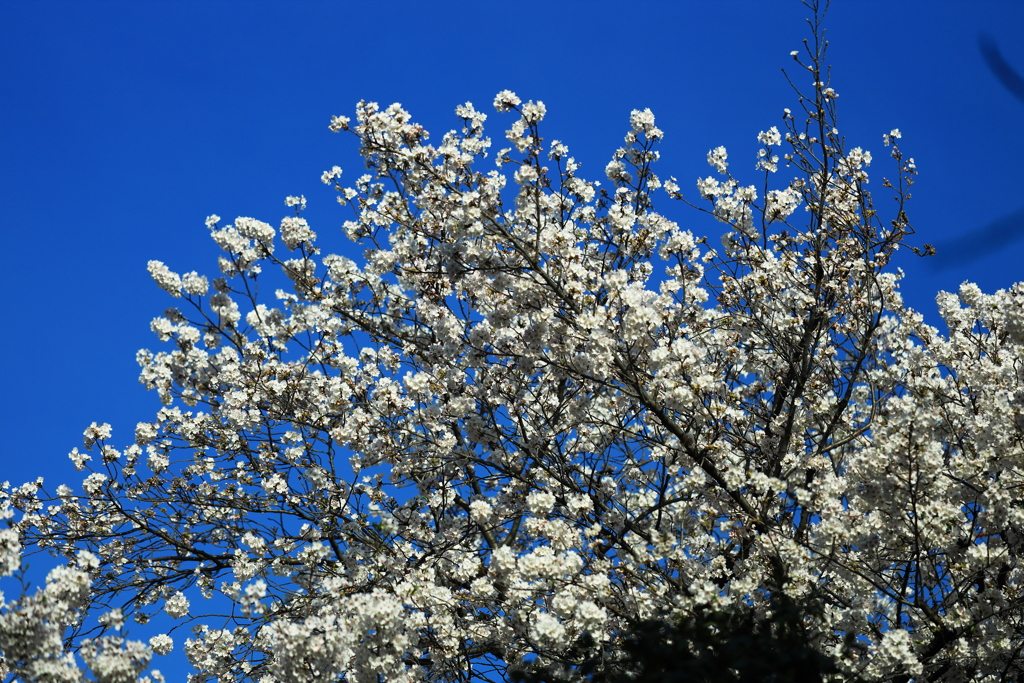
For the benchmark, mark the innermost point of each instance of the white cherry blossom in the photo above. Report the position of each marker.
(538, 411)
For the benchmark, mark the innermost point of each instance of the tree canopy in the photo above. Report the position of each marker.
(541, 416)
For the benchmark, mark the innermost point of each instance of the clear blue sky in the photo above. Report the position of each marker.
(124, 124)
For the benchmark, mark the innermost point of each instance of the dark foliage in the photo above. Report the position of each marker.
(732, 646)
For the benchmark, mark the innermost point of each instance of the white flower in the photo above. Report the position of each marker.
(94, 483)
(224, 306)
(162, 644)
(115, 660)
(766, 162)
(339, 123)
(79, 459)
(145, 432)
(717, 158)
(534, 111)
(330, 175)
(616, 171)
(194, 283)
(579, 502)
(168, 280)
(254, 230)
(96, 432)
(254, 593)
(526, 174)
(112, 619)
(276, 485)
(87, 561)
(540, 502)
(710, 187)
(558, 150)
(467, 111)
(266, 321)
(546, 629)
(177, 605)
(779, 204)
(505, 100)
(770, 138)
(480, 510)
(157, 460)
(590, 616)
(641, 121)
(10, 552)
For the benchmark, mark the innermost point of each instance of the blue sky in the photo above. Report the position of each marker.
(124, 124)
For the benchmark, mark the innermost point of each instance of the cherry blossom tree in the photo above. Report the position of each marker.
(539, 413)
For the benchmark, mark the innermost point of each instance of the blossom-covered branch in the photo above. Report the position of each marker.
(540, 412)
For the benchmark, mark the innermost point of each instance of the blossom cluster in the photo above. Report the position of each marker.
(32, 628)
(540, 411)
